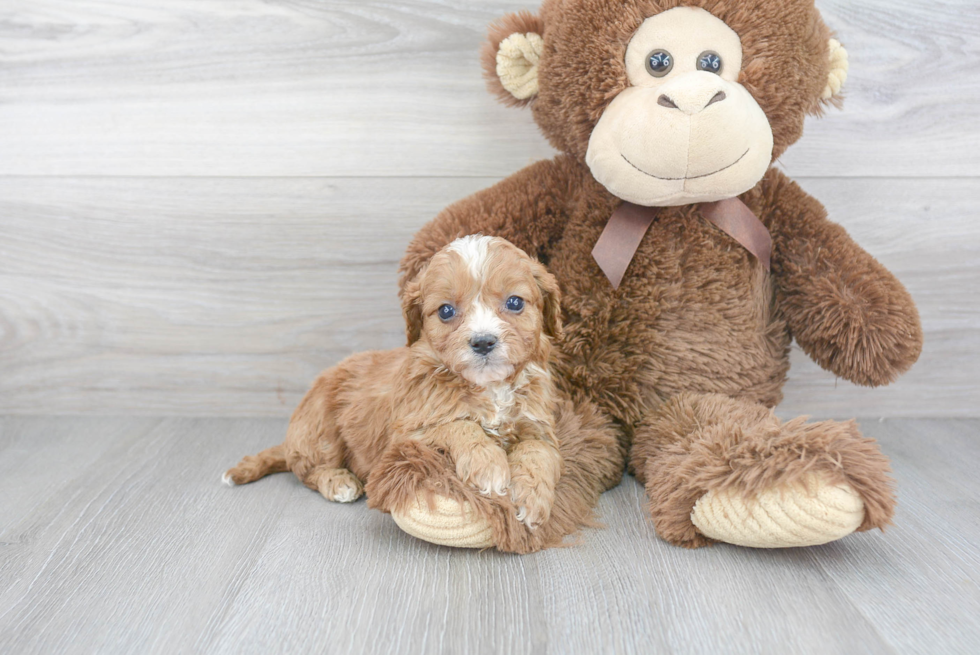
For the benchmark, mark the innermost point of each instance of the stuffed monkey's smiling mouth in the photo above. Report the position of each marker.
(693, 177)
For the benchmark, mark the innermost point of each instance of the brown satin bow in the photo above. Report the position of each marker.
(622, 235)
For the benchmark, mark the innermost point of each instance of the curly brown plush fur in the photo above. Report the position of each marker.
(688, 354)
(727, 443)
(586, 440)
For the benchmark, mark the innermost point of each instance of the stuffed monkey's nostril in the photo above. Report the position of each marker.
(718, 97)
(689, 105)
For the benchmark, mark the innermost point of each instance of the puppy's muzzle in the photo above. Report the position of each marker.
(482, 344)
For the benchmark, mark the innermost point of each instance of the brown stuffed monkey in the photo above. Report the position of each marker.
(687, 263)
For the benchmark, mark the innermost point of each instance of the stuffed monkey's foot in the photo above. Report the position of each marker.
(721, 469)
(412, 474)
(447, 522)
(417, 484)
(809, 512)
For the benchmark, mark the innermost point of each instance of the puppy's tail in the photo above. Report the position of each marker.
(253, 467)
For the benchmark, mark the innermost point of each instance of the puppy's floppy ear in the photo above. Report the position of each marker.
(552, 300)
(412, 308)
(510, 57)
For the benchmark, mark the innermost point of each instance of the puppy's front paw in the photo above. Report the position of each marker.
(533, 500)
(485, 468)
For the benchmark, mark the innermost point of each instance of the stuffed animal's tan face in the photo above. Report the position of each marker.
(685, 130)
(669, 102)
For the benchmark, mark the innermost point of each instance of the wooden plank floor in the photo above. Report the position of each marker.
(117, 537)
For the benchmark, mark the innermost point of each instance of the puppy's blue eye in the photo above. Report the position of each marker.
(446, 312)
(515, 303)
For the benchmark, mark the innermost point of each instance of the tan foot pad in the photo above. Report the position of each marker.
(449, 523)
(808, 513)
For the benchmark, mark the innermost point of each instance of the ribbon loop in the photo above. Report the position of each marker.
(619, 240)
(734, 218)
(628, 224)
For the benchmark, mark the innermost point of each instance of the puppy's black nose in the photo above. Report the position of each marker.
(483, 343)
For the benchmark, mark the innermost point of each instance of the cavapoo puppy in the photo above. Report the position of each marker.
(473, 381)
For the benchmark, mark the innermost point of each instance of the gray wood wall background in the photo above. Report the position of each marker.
(203, 202)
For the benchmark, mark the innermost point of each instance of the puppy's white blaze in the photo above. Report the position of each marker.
(483, 320)
(473, 250)
(226, 479)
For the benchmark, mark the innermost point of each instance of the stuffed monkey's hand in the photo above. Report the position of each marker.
(860, 324)
(846, 310)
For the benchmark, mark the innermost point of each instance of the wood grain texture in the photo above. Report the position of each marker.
(228, 296)
(255, 88)
(117, 537)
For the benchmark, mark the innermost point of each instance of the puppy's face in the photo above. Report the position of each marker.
(485, 308)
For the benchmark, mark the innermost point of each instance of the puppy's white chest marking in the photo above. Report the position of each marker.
(502, 399)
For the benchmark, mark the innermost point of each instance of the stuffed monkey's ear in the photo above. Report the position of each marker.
(412, 308)
(837, 73)
(552, 300)
(510, 57)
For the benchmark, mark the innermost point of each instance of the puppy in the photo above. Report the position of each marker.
(473, 381)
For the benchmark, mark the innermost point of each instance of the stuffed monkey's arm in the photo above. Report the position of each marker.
(847, 311)
(528, 209)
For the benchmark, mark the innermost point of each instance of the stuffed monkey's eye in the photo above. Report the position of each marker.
(515, 303)
(710, 62)
(659, 63)
(446, 312)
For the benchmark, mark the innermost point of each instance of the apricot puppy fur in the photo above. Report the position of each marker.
(473, 381)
